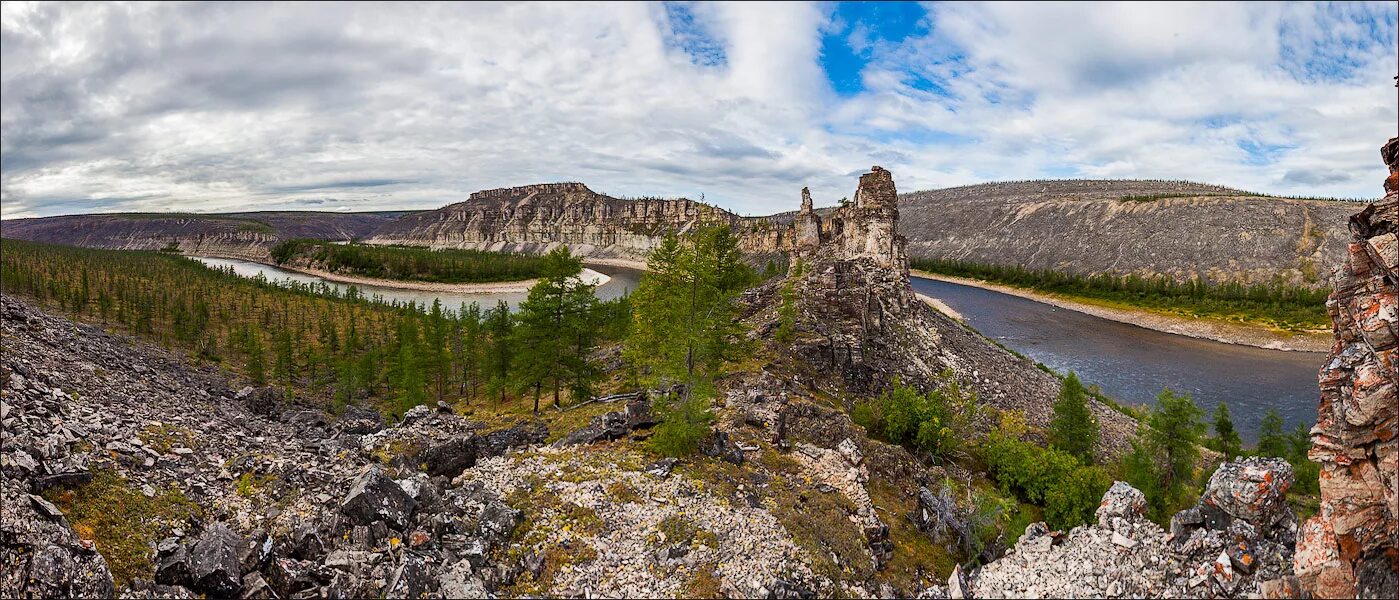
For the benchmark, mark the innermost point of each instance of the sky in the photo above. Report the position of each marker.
(214, 107)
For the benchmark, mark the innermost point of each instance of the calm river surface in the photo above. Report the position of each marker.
(1129, 363)
(1133, 364)
(623, 281)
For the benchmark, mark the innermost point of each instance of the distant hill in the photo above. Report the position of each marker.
(1175, 228)
(240, 235)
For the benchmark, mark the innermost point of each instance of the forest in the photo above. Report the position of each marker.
(1276, 304)
(408, 263)
(323, 345)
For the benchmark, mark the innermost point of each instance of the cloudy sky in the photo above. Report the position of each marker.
(215, 107)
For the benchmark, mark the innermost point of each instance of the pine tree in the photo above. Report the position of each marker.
(410, 374)
(1074, 429)
(1271, 441)
(1172, 434)
(256, 370)
(500, 351)
(1228, 439)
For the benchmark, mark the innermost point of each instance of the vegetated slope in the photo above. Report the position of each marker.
(414, 264)
(239, 235)
(1179, 229)
(534, 218)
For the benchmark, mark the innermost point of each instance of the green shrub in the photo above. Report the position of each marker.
(684, 424)
(1067, 489)
(933, 422)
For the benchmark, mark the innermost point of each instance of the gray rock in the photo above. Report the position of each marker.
(374, 497)
(213, 562)
(449, 458)
(1123, 501)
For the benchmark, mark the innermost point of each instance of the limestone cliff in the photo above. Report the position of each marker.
(535, 218)
(1178, 229)
(1351, 549)
(859, 324)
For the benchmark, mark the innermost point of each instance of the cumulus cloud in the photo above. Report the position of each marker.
(210, 107)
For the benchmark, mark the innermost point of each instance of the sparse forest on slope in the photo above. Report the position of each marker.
(311, 341)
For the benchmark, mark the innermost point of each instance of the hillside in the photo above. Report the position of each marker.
(239, 235)
(534, 218)
(1179, 229)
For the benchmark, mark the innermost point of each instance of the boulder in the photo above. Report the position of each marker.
(497, 443)
(375, 497)
(638, 414)
(1121, 500)
(1251, 489)
(449, 458)
(213, 562)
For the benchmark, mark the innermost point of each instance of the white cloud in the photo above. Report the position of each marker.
(213, 107)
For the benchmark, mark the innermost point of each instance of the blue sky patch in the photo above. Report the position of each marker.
(857, 30)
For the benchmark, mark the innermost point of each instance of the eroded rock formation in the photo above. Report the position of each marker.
(1351, 549)
(535, 218)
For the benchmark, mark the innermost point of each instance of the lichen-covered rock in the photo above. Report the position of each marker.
(42, 556)
(375, 497)
(1351, 548)
(1121, 501)
(449, 458)
(1252, 489)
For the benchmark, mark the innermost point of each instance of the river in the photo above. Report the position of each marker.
(1129, 363)
(623, 280)
(1132, 364)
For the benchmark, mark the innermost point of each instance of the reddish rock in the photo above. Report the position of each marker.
(1351, 548)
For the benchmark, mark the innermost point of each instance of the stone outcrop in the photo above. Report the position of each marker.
(859, 323)
(1351, 549)
(1241, 547)
(536, 218)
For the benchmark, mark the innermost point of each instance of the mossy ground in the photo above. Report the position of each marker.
(123, 522)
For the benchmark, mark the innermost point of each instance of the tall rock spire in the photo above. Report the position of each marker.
(1351, 548)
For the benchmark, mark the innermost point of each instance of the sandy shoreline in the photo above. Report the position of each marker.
(638, 265)
(494, 287)
(1219, 331)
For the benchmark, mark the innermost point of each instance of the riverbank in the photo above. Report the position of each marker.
(1219, 331)
(494, 287)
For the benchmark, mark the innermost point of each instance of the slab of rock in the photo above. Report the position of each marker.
(213, 562)
(1251, 489)
(449, 458)
(376, 497)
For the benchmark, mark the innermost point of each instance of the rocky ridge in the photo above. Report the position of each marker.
(536, 218)
(232, 235)
(1351, 549)
(1235, 543)
(1084, 226)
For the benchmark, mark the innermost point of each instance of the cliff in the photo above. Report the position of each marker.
(234, 235)
(858, 323)
(535, 218)
(1178, 229)
(1351, 549)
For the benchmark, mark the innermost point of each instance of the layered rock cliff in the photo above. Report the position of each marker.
(1351, 549)
(1178, 229)
(535, 218)
(234, 235)
(858, 321)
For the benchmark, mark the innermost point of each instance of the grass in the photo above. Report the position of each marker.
(1276, 305)
(165, 436)
(122, 521)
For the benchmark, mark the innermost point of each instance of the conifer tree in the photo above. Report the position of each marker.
(1229, 443)
(1074, 429)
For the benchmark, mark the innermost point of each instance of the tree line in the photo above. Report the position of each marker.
(410, 263)
(1285, 305)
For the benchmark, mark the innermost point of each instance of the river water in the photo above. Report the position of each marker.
(1129, 363)
(623, 281)
(1132, 364)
